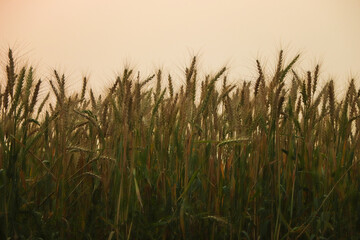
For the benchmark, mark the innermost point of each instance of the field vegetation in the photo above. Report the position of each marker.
(273, 158)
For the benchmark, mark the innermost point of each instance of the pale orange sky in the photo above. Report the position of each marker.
(97, 37)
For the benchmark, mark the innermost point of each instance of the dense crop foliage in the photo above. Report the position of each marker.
(276, 158)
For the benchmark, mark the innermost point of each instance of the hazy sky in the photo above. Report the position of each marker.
(97, 38)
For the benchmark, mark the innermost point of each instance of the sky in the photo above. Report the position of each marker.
(98, 38)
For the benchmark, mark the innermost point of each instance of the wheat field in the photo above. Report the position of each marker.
(273, 158)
